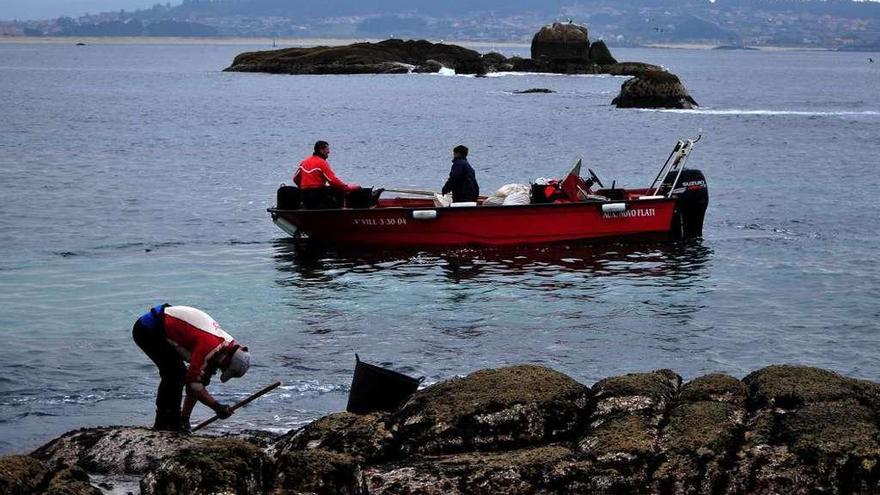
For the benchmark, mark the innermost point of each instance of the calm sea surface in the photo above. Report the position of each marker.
(137, 174)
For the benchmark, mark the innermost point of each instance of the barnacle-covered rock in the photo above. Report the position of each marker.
(363, 437)
(114, 449)
(492, 410)
(228, 466)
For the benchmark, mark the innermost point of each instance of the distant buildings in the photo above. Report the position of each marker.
(624, 22)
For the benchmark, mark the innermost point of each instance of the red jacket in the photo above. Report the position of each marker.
(315, 172)
(197, 338)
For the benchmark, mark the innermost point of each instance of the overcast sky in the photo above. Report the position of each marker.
(48, 9)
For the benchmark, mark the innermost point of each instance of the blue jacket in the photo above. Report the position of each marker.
(462, 182)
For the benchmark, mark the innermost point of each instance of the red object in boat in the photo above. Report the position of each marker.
(607, 215)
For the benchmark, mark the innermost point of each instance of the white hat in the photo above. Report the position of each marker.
(237, 364)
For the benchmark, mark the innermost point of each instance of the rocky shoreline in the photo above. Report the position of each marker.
(520, 429)
(557, 48)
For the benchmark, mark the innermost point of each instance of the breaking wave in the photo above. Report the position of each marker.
(311, 387)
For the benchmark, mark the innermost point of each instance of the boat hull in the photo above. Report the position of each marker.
(484, 225)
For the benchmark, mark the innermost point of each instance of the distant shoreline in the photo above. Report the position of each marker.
(706, 46)
(308, 42)
(222, 40)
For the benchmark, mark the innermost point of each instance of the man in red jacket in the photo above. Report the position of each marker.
(320, 186)
(170, 335)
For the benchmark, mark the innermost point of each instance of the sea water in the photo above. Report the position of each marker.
(137, 174)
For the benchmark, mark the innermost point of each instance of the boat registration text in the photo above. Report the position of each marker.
(379, 222)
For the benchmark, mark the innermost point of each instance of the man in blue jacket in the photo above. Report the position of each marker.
(462, 181)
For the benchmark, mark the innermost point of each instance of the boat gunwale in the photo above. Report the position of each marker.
(469, 208)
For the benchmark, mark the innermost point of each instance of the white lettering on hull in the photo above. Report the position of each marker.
(644, 212)
(379, 222)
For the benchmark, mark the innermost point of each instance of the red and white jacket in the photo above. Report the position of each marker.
(315, 172)
(198, 338)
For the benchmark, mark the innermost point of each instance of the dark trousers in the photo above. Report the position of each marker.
(321, 198)
(172, 372)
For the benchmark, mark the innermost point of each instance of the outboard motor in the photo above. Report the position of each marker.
(288, 198)
(692, 192)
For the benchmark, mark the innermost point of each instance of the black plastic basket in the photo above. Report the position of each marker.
(378, 389)
(359, 198)
(288, 198)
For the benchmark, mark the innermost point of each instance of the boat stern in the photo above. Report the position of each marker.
(692, 200)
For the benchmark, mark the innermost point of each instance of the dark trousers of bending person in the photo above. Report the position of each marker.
(172, 372)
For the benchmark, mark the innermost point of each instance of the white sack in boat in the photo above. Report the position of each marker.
(442, 200)
(493, 201)
(508, 189)
(517, 198)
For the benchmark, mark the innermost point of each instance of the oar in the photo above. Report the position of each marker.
(245, 402)
(417, 192)
(410, 191)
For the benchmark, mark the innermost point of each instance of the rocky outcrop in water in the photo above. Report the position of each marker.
(385, 57)
(533, 91)
(562, 47)
(521, 429)
(654, 89)
(556, 48)
(600, 54)
(631, 68)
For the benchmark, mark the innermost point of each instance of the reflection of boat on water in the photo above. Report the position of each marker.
(669, 261)
(672, 207)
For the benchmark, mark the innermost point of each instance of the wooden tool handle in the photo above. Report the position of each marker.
(242, 403)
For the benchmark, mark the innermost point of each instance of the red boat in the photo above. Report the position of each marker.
(672, 207)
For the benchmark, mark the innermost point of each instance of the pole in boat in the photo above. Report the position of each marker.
(410, 191)
(677, 147)
(672, 167)
(245, 402)
(680, 164)
(686, 153)
(417, 192)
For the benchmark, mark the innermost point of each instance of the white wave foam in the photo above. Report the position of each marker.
(799, 113)
(446, 71)
(545, 74)
(313, 386)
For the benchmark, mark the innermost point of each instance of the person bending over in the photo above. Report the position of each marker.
(170, 335)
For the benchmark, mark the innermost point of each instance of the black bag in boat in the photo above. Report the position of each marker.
(378, 389)
(288, 198)
(538, 195)
(322, 198)
(359, 198)
(614, 194)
